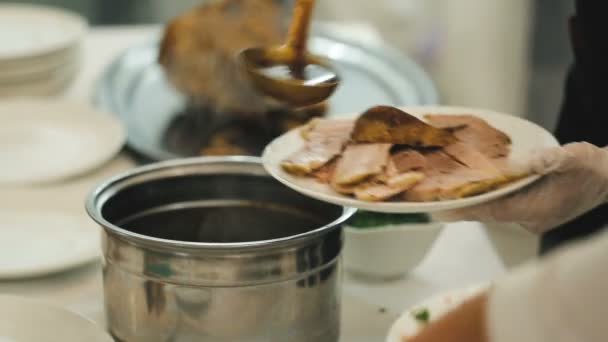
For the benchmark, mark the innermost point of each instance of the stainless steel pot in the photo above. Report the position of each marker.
(175, 269)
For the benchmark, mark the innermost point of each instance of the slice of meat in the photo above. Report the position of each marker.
(326, 172)
(408, 160)
(361, 161)
(474, 131)
(446, 179)
(389, 171)
(348, 189)
(400, 163)
(454, 185)
(471, 158)
(307, 128)
(405, 180)
(426, 191)
(384, 124)
(326, 140)
(394, 186)
(439, 162)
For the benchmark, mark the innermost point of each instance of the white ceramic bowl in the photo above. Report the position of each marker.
(390, 251)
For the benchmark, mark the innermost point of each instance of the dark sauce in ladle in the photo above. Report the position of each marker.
(289, 73)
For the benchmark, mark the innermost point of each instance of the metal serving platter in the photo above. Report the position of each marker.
(134, 88)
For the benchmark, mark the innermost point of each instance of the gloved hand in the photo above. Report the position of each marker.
(575, 181)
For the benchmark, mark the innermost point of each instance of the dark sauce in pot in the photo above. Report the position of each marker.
(222, 222)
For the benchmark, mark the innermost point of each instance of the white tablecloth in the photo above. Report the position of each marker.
(464, 254)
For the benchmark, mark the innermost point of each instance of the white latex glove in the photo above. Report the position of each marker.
(575, 181)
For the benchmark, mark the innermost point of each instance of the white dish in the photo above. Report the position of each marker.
(390, 251)
(24, 320)
(38, 68)
(526, 137)
(28, 31)
(42, 85)
(66, 226)
(407, 326)
(46, 140)
(37, 242)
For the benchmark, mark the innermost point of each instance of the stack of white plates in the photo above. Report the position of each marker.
(39, 49)
(52, 152)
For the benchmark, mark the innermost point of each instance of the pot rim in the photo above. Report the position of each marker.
(103, 191)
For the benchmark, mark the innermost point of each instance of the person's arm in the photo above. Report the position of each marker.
(562, 298)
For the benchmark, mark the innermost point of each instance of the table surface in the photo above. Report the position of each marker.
(464, 253)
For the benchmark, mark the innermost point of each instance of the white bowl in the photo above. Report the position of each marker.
(390, 251)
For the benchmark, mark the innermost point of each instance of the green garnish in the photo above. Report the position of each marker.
(422, 315)
(367, 219)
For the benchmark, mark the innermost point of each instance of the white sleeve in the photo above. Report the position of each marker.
(561, 298)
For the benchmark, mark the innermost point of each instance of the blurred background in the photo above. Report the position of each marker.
(509, 56)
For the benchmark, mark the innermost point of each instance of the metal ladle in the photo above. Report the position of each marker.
(293, 84)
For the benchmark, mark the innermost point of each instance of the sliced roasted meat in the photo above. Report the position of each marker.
(384, 124)
(348, 189)
(390, 154)
(475, 132)
(445, 175)
(457, 184)
(472, 158)
(425, 191)
(408, 160)
(439, 162)
(361, 161)
(325, 141)
(326, 172)
(459, 171)
(390, 183)
(392, 187)
(308, 127)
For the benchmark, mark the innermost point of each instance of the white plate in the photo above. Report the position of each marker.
(37, 242)
(38, 68)
(28, 31)
(46, 140)
(24, 320)
(407, 326)
(40, 85)
(41, 219)
(526, 137)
